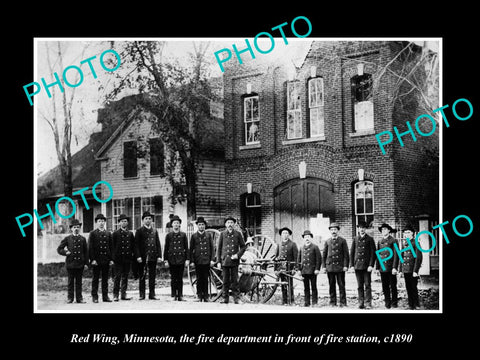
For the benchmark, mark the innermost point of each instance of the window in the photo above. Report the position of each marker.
(157, 160)
(294, 114)
(154, 205)
(130, 159)
(364, 202)
(252, 200)
(147, 205)
(118, 208)
(315, 105)
(251, 212)
(362, 98)
(251, 118)
(134, 208)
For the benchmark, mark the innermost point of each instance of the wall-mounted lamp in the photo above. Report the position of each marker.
(313, 71)
(302, 169)
(360, 67)
(361, 174)
(249, 88)
(249, 188)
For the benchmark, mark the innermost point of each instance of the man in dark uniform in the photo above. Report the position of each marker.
(148, 252)
(176, 256)
(310, 261)
(410, 267)
(388, 272)
(362, 259)
(202, 253)
(230, 249)
(287, 251)
(123, 249)
(100, 253)
(335, 259)
(74, 247)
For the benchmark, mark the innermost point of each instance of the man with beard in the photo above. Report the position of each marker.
(362, 259)
(100, 253)
(123, 248)
(74, 247)
(176, 256)
(148, 252)
(335, 258)
(388, 268)
(287, 251)
(412, 260)
(202, 254)
(310, 260)
(231, 247)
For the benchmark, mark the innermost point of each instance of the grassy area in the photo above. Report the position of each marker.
(53, 277)
(59, 270)
(59, 283)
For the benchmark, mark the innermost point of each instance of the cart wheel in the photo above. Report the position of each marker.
(262, 286)
(215, 281)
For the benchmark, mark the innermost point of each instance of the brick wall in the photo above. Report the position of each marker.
(404, 183)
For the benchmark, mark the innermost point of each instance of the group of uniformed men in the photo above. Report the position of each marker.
(121, 248)
(336, 259)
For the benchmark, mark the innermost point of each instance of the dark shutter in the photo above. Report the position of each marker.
(156, 157)
(129, 212)
(109, 215)
(137, 216)
(158, 204)
(130, 159)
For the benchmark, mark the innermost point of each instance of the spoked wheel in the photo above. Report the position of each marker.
(263, 285)
(215, 282)
(258, 274)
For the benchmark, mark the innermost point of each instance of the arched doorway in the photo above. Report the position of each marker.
(304, 204)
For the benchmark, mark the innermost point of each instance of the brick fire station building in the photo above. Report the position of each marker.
(300, 144)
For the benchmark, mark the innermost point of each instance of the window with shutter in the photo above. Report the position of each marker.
(158, 208)
(129, 212)
(109, 215)
(130, 159)
(157, 160)
(137, 215)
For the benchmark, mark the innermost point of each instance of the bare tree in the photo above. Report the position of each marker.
(58, 114)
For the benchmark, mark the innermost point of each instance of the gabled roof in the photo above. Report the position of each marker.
(118, 131)
(211, 136)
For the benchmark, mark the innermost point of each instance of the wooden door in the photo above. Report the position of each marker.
(298, 201)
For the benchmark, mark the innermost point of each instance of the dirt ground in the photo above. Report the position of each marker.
(52, 294)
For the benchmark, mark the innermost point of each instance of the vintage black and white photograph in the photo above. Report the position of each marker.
(197, 175)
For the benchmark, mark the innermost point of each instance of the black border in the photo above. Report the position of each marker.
(433, 333)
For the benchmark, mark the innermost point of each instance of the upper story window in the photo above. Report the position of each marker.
(294, 112)
(316, 108)
(251, 119)
(362, 96)
(130, 159)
